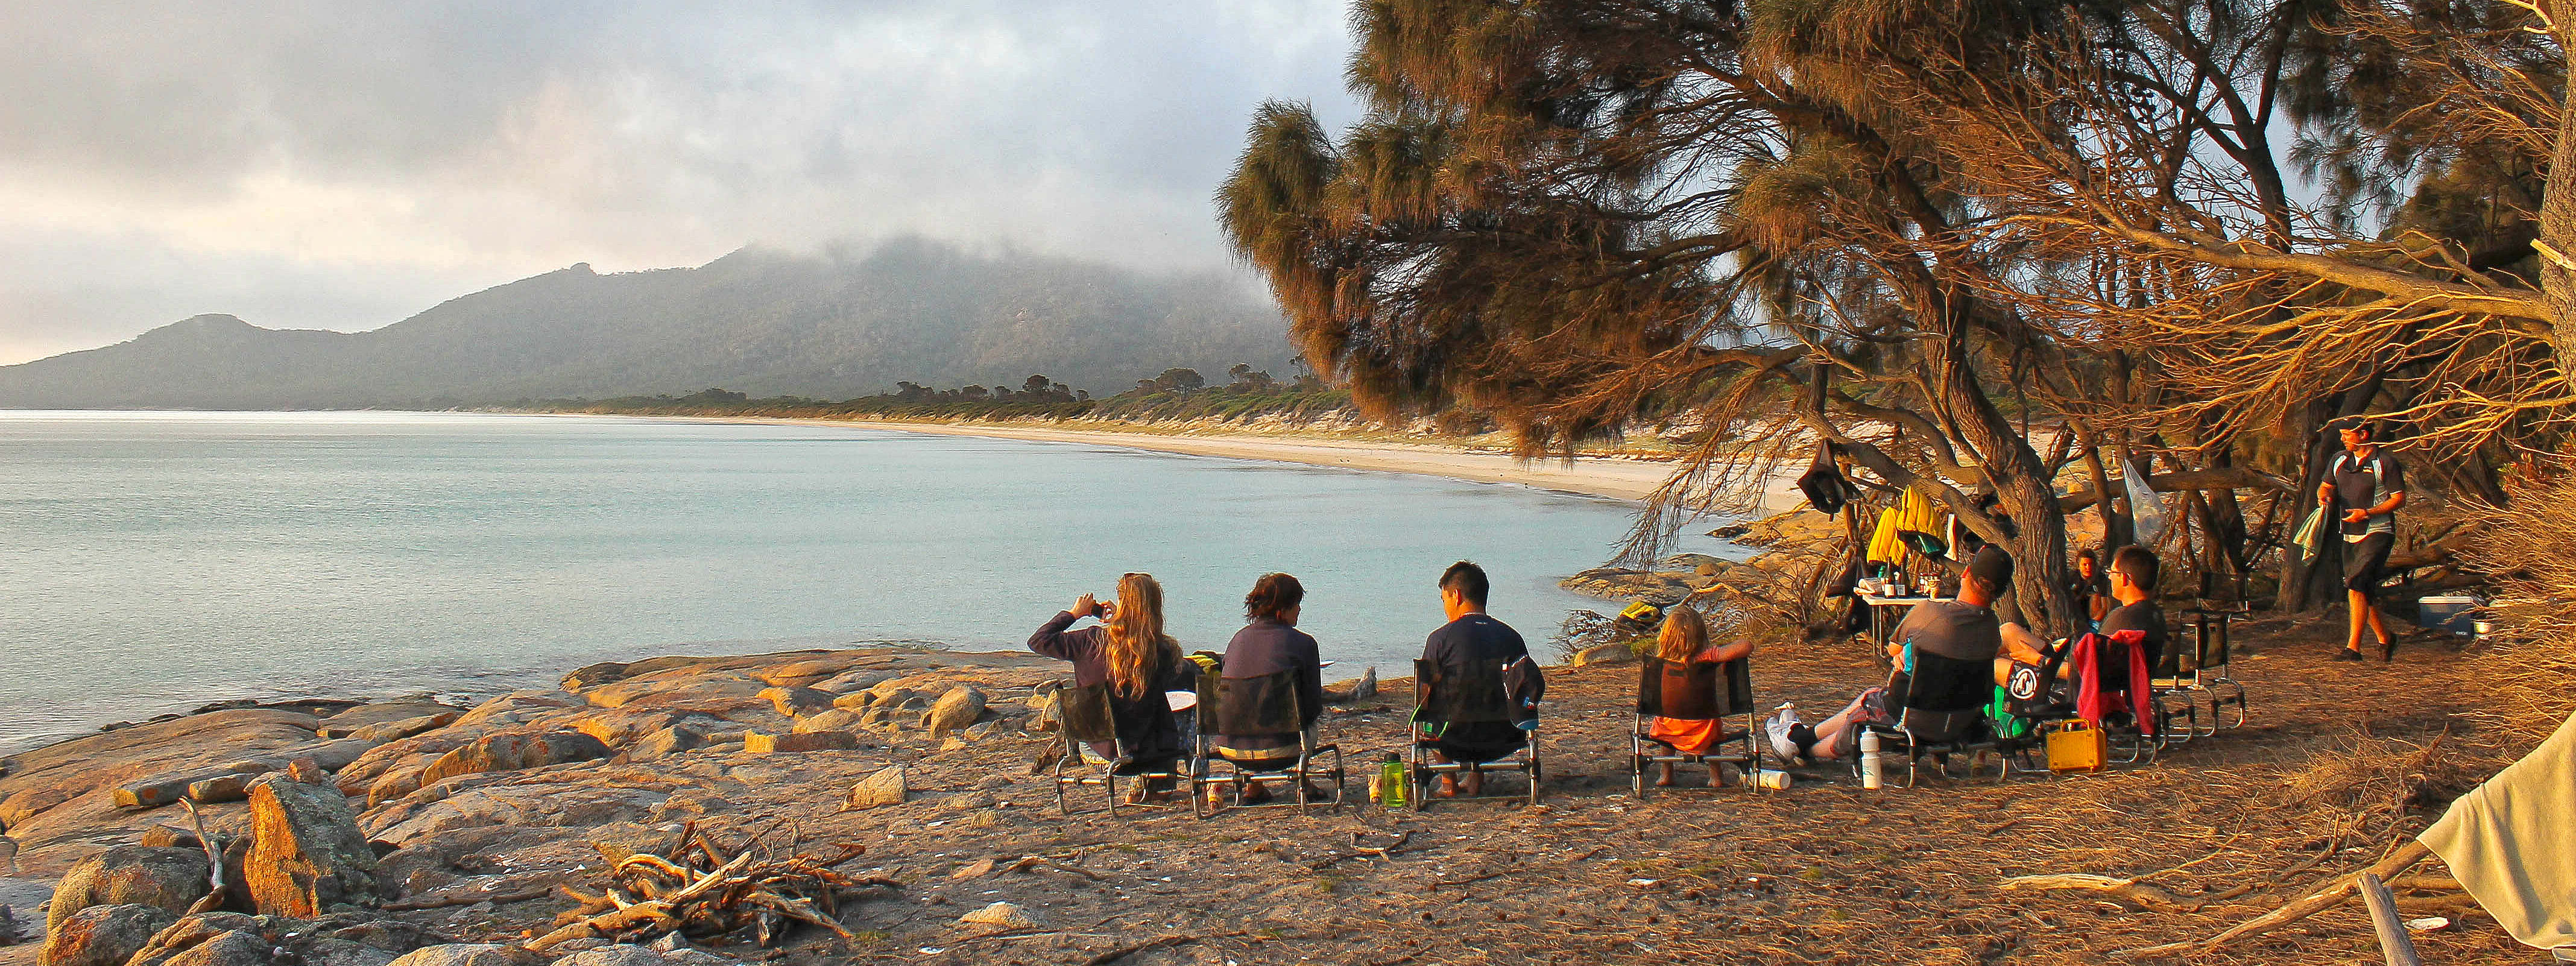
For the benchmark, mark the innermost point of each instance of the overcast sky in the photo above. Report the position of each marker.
(343, 165)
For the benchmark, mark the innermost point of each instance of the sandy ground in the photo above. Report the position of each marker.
(1613, 477)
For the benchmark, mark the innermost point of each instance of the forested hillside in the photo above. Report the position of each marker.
(763, 322)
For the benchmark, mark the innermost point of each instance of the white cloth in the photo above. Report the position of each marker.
(2512, 843)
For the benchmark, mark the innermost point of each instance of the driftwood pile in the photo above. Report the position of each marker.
(701, 893)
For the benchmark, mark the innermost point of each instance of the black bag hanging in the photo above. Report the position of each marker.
(1823, 483)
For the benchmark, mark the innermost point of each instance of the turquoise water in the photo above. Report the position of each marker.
(152, 562)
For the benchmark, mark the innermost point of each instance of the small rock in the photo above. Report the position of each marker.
(1604, 655)
(984, 730)
(1003, 914)
(221, 788)
(760, 743)
(455, 954)
(669, 942)
(237, 948)
(886, 787)
(664, 743)
(855, 681)
(169, 837)
(955, 710)
(954, 743)
(796, 701)
(834, 719)
(384, 731)
(169, 879)
(103, 935)
(973, 870)
(621, 954)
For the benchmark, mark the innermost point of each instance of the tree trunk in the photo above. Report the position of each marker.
(2558, 208)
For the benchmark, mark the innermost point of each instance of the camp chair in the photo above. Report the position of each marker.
(1477, 696)
(1086, 716)
(2030, 698)
(1266, 705)
(2130, 740)
(2196, 669)
(1692, 691)
(1942, 713)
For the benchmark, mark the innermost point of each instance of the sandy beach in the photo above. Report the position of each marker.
(1618, 478)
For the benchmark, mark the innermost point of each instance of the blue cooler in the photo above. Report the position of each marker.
(2456, 613)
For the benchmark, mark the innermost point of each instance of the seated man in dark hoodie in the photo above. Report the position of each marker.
(1468, 640)
(1272, 644)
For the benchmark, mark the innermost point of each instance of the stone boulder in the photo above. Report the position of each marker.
(1619, 653)
(956, 709)
(1002, 914)
(1660, 589)
(835, 719)
(169, 879)
(663, 744)
(307, 854)
(194, 931)
(591, 676)
(515, 752)
(384, 731)
(457, 954)
(103, 935)
(628, 954)
(854, 681)
(886, 787)
(235, 948)
(793, 701)
(347, 724)
(761, 743)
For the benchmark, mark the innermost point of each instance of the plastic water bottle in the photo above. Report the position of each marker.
(1870, 776)
(1390, 782)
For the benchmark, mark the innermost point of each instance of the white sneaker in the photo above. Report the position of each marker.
(1782, 719)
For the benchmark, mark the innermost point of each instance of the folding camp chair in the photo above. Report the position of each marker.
(1477, 696)
(2197, 670)
(1941, 713)
(1266, 705)
(1693, 691)
(1087, 720)
(2030, 699)
(2130, 739)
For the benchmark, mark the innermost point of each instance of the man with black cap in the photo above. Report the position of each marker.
(1965, 629)
(2363, 489)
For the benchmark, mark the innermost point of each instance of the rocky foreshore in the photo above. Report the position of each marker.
(339, 825)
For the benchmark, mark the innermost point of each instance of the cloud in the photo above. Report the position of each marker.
(343, 165)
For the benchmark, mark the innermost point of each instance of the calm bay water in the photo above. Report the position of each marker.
(151, 562)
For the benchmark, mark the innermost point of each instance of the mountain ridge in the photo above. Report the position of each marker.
(757, 320)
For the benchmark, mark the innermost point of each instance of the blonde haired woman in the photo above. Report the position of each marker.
(1683, 641)
(1129, 653)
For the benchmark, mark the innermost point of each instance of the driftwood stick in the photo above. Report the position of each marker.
(214, 897)
(2395, 949)
(467, 897)
(2398, 861)
(1122, 952)
(2131, 889)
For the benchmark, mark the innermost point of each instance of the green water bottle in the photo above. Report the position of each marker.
(1390, 782)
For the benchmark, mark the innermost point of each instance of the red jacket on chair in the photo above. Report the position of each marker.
(2091, 700)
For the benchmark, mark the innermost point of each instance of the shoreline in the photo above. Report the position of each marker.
(1627, 479)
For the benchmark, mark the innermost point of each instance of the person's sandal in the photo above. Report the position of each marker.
(2387, 650)
(2348, 654)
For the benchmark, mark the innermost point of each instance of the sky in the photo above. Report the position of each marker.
(343, 166)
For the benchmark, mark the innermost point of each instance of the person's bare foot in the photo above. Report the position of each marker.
(1255, 793)
(1664, 778)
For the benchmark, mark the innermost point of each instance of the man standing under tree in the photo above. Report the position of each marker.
(2363, 488)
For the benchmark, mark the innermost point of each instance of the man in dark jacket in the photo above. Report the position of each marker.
(1470, 642)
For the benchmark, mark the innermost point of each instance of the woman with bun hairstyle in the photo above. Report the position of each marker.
(1272, 644)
